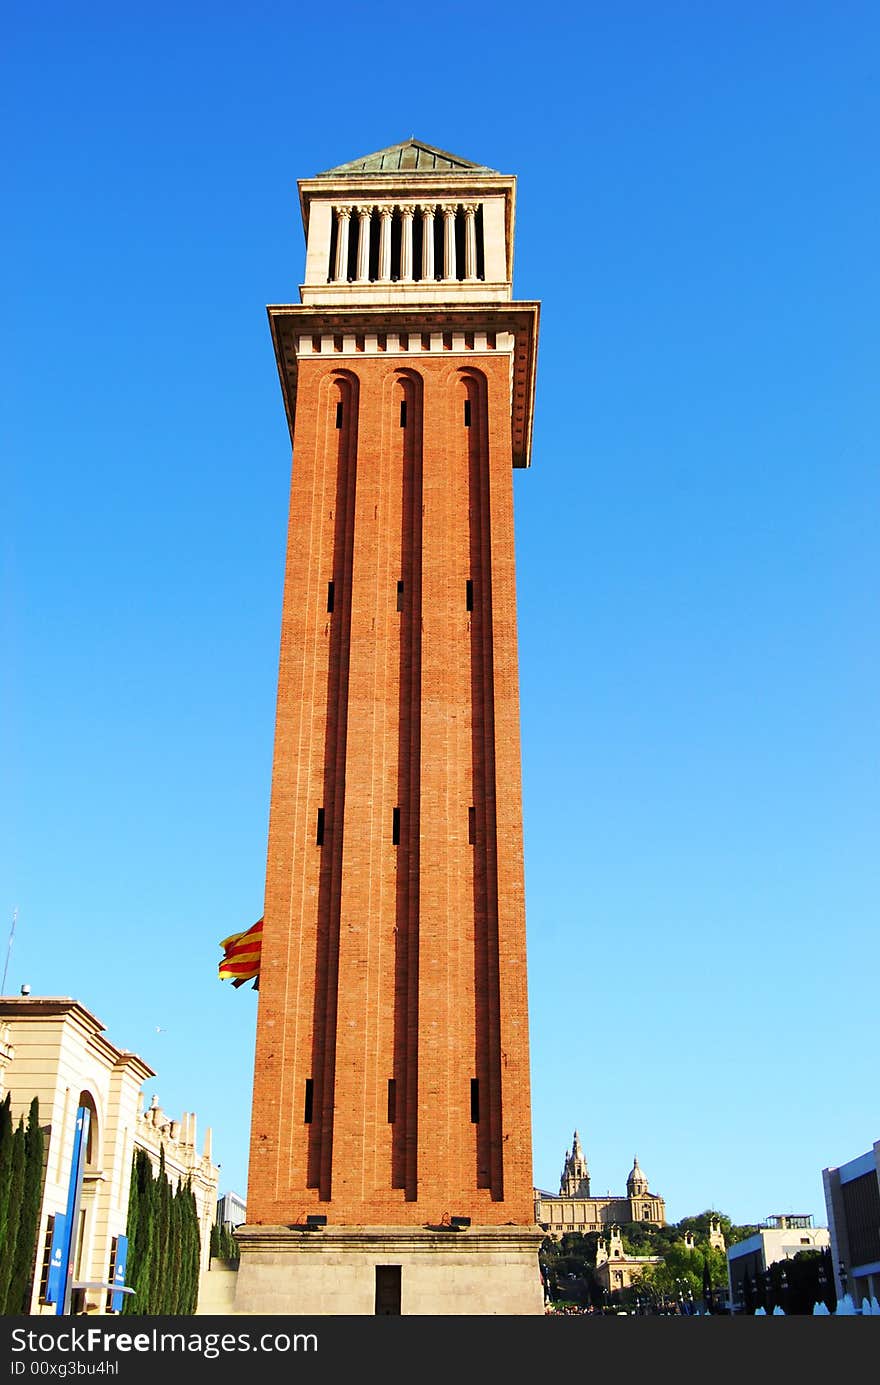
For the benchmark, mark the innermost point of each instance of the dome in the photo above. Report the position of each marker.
(636, 1183)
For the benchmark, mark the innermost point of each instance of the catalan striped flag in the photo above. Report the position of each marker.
(241, 956)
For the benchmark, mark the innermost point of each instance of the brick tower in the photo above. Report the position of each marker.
(390, 1157)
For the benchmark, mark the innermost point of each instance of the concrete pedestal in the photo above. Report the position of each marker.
(479, 1270)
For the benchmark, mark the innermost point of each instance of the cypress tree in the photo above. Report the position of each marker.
(13, 1215)
(191, 1250)
(5, 1168)
(159, 1276)
(181, 1297)
(141, 1236)
(175, 1252)
(195, 1251)
(164, 1249)
(748, 1294)
(154, 1290)
(131, 1231)
(21, 1281)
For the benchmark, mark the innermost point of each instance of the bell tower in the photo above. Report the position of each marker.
(575, 1181)
(390, 1155)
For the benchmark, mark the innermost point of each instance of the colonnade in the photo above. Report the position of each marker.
(438, 258)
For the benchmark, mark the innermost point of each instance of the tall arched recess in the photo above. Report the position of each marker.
(405, 420)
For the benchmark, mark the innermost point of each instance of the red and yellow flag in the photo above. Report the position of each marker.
(241, 956)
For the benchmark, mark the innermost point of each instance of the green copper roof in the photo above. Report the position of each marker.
(412, 156)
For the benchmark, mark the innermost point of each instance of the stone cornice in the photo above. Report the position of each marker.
(442, 186)
(71, 1011)
(428, 1239)
(520, 319)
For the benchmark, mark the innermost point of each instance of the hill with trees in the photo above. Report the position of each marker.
(684, 1279)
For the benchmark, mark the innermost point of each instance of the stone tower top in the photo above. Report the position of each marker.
(637, 1183)
(575, 1181)
(716, 1235)
(410, 224)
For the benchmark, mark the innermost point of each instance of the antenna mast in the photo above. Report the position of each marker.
(9, 949)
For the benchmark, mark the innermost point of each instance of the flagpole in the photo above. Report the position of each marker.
(9, 950)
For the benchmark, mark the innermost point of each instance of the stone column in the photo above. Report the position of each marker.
(406, 242)
(470, 240)
(363, 259)
(448, 240)
(343, 218)
(427, 243)
(385, 243)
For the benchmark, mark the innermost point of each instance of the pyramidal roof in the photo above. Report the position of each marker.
(412, 156)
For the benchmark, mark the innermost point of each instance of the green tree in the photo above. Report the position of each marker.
(164, 1252)
(700, 1224)
(193, 1259)
(681, 1273)
(159, 1286)
(749, 1297)
(13, 1214)
(6, 1138)
(796, 1285)
(567, 1266)
(21, 1278)
(141, 1233)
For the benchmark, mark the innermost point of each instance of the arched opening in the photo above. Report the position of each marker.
(87, 1102)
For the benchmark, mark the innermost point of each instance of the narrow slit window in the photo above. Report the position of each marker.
(472, 825)
(111, 1271)
(319, 833)
(309, 1101)
(400, 596)
(467, 413)
(392, 1101)
(339, 414)
(329, 596)
(395, 827)
(469, 594)
(47, 1259)
(475, 1100)
(403, 413)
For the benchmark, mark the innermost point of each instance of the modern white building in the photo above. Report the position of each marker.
(231, 1211)
(780, 1238)
(852, 1201)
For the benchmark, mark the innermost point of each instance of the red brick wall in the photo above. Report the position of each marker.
(407, 960)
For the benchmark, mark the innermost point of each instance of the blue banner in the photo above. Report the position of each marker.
(55, 1281)
(71, 1229)
(117, 1299)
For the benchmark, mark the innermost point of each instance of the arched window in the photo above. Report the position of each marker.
(87, 1101)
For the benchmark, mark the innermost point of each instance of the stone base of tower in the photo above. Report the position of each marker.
(354, 1271)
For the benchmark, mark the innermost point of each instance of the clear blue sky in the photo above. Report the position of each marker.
(697, 540)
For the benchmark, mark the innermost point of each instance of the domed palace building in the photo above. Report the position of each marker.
(574, 1208)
